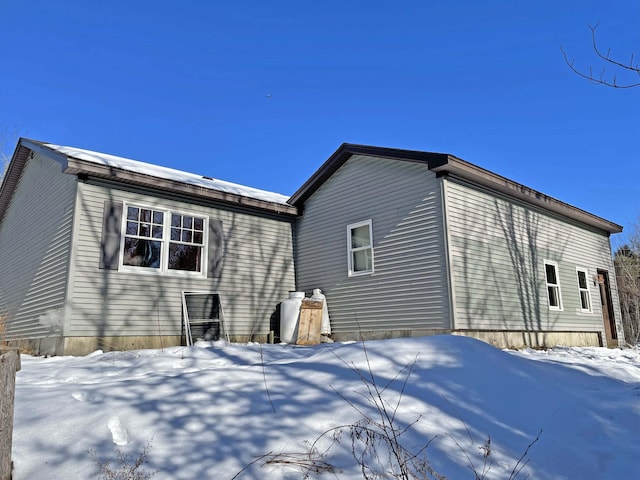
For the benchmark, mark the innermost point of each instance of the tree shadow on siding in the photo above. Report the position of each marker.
(500, 258)
(256, 275)
(527, 249)
(520, 229)
(104, 302)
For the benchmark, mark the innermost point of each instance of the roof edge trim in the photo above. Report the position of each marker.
(76, 166)
(445, 164)
(346, 151)
(458, 168)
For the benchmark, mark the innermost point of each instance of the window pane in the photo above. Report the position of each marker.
(582, 280)
(175, 234)
(186, 236)
(176, 220)
(360, 236)
(141, 253)
(157, 231)
(584, 300)
(132, 213)
(158, 217)
(197, 238)
(187, 222)
(551, 274)
(132, 228)
(553, 297)
(362, 260)
(145, 231)
(198, 224)
(184, 257)
(145, 215)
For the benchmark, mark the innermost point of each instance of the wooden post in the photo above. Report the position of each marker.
(9, 365)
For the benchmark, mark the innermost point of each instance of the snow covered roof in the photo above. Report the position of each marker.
(167, 173)
(79, 161)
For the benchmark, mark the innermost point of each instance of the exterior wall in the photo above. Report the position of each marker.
(35, 235)
(497, 252)
(257, 272)
(407, 294)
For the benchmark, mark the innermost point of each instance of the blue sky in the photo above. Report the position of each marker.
(261, 93)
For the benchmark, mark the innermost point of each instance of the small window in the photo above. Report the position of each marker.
(162, 241)
(360, 248)
(583, 290)
(553, 285)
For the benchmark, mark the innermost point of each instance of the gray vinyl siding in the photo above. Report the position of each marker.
(257, 273)
(497, 250)
(35, 235)
(408, 289)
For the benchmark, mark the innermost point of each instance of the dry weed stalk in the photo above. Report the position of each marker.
(376, 440)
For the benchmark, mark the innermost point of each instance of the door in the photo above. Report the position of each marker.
(607, 309)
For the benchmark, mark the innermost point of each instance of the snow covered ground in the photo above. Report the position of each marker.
(208, 411)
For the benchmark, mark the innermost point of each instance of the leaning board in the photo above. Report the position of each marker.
(310, 322)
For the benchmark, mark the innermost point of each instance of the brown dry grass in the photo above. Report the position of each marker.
(25, 346)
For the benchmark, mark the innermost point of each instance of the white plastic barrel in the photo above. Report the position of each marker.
(325, 328)
(289, 316)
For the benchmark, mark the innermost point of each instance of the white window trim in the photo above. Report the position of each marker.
(350, 250)
(556, 285)
(588, 290)
(166, 235)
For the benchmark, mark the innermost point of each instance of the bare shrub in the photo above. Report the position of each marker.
(376, 441)
(128, 466)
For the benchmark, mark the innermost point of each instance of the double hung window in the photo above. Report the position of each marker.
(163, 240)
(583, 290)
(186, 243)
(360, 248)
(553, 285)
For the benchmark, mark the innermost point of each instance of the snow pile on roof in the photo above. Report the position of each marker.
(168, 173)
(210, 410)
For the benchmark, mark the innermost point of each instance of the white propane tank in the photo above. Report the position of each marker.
(325, 326)
(289, 315)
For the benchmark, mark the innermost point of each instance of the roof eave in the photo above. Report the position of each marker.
(77, 166)
(346, 151)
(24, 147)
(458, 168)
(445, 164)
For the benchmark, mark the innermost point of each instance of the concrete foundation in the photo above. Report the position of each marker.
(84, 345)
(500, 339)
(522, 339)
(385, 334)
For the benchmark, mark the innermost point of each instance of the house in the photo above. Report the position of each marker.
(97, 251)
(406, 243)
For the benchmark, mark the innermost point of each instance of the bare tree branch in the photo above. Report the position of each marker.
(605, 78)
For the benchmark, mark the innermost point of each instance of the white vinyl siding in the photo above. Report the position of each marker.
(36, 237)
(498, 248)
(256, 272)
(408, 290)
(360, 248)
